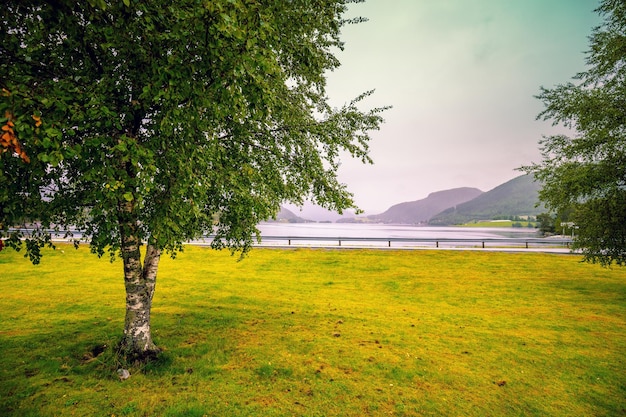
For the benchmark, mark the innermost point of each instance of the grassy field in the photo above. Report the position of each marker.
(319, 333)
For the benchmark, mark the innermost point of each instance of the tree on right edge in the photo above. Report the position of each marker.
(586, 173)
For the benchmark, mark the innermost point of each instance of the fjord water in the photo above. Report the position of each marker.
(352, 230)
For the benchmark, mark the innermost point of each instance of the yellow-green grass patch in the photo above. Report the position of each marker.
(316, 332)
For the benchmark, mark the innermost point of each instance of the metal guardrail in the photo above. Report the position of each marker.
(436, 242)
(406, 242)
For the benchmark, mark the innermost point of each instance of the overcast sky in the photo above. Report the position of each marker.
(461, 76)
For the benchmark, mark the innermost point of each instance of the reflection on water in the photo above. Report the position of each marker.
(393, 231)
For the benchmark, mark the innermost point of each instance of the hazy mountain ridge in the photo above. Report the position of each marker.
(420, 211)
(308, 213)
(517, 197)
(311, 212)
(287, 216)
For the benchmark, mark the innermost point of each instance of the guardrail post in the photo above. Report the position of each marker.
(447, 242)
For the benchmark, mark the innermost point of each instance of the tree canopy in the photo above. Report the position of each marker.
(585, 174)
(158, 122)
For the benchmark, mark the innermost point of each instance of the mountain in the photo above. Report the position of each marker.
(420, 211)
(517, 197)
(316, 213)
(287, 216)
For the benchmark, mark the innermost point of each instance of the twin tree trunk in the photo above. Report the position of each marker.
(140, 282)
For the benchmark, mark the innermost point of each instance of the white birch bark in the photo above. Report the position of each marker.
(140, 282)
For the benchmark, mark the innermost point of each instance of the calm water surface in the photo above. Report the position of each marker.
(387, 230)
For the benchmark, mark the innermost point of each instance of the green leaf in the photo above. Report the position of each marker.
(216, 115)
(583, 175)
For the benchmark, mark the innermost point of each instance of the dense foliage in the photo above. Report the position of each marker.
(157, 122)
(189, 111)
(585, 175)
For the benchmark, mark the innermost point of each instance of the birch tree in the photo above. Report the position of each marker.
(147, 124)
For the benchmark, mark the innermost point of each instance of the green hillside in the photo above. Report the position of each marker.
(420, 211)
(288, 216)
(517, 197)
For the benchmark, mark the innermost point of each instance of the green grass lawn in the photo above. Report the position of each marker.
(319, 333)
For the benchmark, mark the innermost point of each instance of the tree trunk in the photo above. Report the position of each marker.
(140, 282)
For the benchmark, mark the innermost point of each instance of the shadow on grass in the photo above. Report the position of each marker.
(71, 357)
